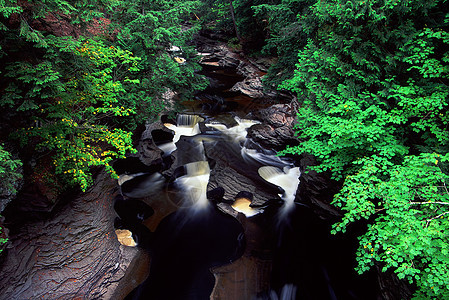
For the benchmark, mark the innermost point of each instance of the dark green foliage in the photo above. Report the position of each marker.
(74, 90)
(373, 84)
(149, 29)
(9, 173)
(285, 35)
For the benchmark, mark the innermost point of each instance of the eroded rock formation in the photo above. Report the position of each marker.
(73, 255)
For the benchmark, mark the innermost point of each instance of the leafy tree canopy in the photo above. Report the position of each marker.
(77, 76)
(373, 84)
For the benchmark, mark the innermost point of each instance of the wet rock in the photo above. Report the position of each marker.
(220, 57)
(148, 152)
(124, 236)
(252, 87)
(73, 254)
(235, 175)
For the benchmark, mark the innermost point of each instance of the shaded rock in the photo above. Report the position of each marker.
(132, 210)
(217, 56)
(252, 87)
(7, 195)
(317, 189)
(391, 287)
(276, 130)
(235, 175)
(130, 165)
(148, 151)
(73, 254)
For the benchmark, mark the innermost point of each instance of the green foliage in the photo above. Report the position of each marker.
(9, 173)
(373, 84)
(284, 35)
(67, 110)
(3, 241)
(75, 97)
(149, 29)
(215, 15)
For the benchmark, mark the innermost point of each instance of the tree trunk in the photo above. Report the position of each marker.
(233, 21)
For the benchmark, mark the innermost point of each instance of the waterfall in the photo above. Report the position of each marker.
(141, 185)
(186, 125)
(286, 178)
(236, 133)
(194, 183)
(250, 155)
(125, 177)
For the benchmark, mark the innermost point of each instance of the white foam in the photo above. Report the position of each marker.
(236, 133)
(195, 183)
(187, 125)
(286, 178)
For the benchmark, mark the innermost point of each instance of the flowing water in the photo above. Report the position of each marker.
(194, 228)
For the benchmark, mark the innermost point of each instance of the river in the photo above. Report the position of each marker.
(222, 220)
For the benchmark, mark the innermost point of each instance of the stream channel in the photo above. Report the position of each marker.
(191, 211)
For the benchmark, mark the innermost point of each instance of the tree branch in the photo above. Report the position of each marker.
(436, 217)
(430, 202)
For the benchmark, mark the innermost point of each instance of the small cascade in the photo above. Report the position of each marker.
(269, 158)
(186, 125)
(125, 177)
(138, 186)
(286, 178)
(194, 183)
(236, 133)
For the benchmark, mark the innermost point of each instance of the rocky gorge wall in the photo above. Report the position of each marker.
(74, 255)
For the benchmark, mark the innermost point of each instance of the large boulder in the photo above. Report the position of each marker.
(233, 174)
(277, 126)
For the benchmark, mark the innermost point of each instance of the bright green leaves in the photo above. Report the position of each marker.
(9, 7)
(83, 86)
(420, 53)
(411, 201)
(86, 146)
(372, 83)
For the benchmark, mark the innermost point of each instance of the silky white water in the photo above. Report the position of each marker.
(186, 125)
(286, 178)
(194, 183)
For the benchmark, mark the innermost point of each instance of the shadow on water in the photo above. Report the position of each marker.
(309, 263)
(183, 248)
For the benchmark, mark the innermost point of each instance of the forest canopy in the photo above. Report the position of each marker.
(79, 76)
